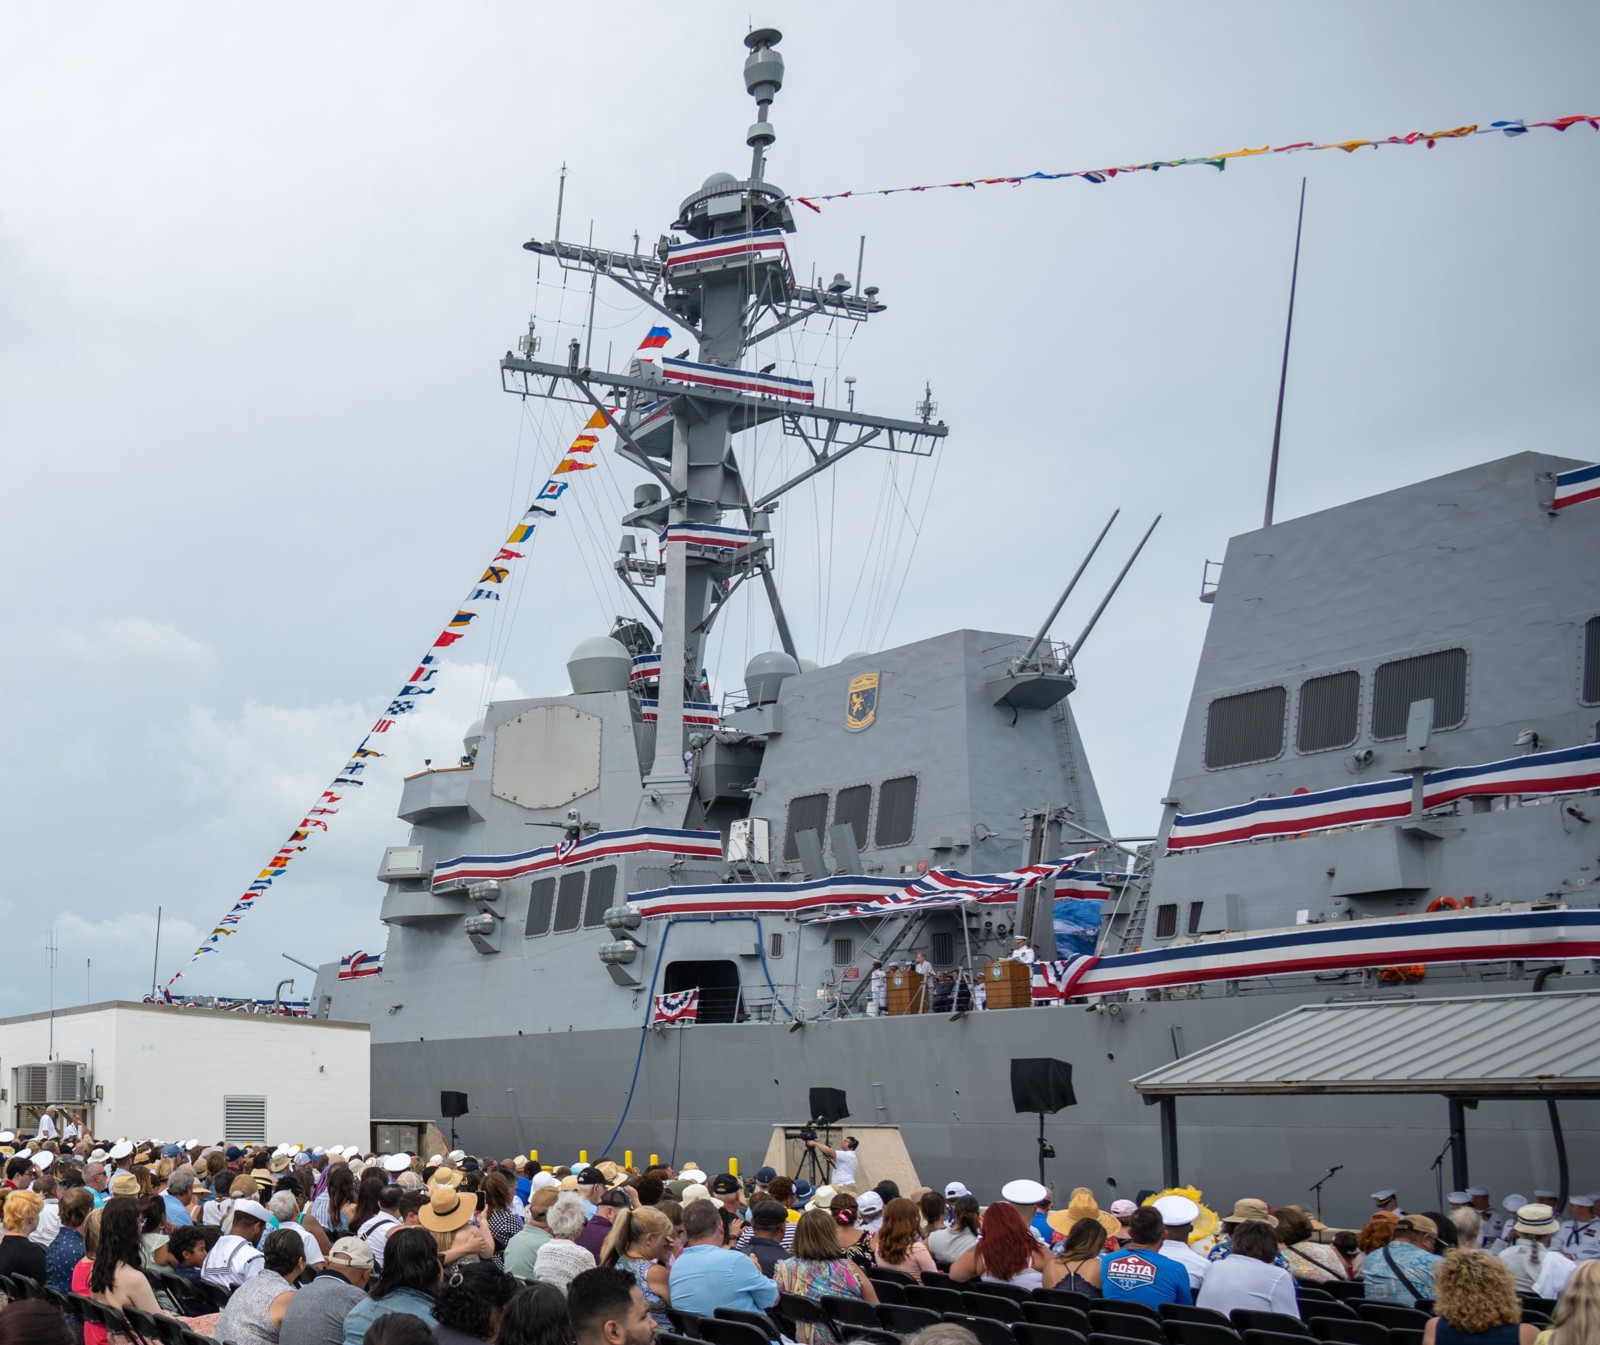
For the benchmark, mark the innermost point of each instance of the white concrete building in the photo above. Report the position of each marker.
(157, 1071)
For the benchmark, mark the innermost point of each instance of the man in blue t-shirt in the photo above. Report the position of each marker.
(1139, 1272)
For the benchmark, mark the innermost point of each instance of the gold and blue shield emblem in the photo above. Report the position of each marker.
(861, 702)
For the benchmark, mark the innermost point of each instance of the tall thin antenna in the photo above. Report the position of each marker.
(155, 962)
(50, 947)
(561, 200)
(1283, 375)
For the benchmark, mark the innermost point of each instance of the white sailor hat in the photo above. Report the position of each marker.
(1024, 1191)
(1515, 1202)
(397, 1162)
(191, 1144)
(1478, 1192)
(692, 1175)
(436, 1160)
(1587, 1200)
(121, 1149)
(43, 1159)
(540, 1180)
(1388, 1193)
(1459, 1198)
(1176, 1211)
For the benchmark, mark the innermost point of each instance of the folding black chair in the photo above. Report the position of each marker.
(1395, 1316)
(1254, 1319)
(1254, 1336)
(980, 1303)
(904, 1318)
(938, 1279)
(1187, 1312)
(848, 1314)
(1192, 1331)
(883, 1275)
(1345, 1290)
(1067, 1297)
(1032, 1333)
(1132, 1326)
(685, 1323)
(1125, 1306)
(1056, 1314)
(935, 1296)
(988, 1330)
(793, 1309)
(1015, 1292)
(673, 1338)
(1351, 1330)
(719, 1330)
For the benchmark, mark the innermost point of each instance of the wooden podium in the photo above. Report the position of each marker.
(907, 993)
(1010, 985)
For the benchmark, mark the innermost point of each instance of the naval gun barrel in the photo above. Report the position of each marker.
(1077, 644)
(1033, 648)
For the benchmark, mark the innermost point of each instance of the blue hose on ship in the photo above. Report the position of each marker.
(650, 999)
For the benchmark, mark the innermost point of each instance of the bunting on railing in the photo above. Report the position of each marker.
(1406, 940)
(1220, 161)
(711, 536)
(1566, 770)
(601, 845)
(738, 380)
(486, 588)
(680, 1006)
(1576, 486)
(768, 246)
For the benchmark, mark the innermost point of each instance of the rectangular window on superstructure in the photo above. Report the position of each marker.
(854, 805)
(1440, 677)
(1330, 709)
(1591, 661)
(602, 896)
(897, 811)
(844, 952)
(1196, 914)
(541, 902)
(775, 945)
(1166, 921)
(809, 812)
(569, 901)
(1245, 728)
(942, 947)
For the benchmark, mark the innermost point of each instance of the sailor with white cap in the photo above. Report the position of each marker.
(1580, 1235)
(1178, 1213)
(1486, 1212)
(1022, 951)
(1027, 1195)
(1387, 1199)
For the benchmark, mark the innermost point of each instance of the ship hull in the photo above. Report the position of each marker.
(703, 1093)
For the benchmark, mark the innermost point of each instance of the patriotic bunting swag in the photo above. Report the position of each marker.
(1220, 161)
(682, 1006)
(486, 588)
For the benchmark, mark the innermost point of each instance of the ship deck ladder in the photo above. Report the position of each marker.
(904, 930)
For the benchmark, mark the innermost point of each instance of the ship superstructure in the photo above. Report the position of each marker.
(1385, 787)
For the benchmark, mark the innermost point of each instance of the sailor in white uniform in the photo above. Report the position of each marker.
(1492, 1222)
(1580, 1235)
(1179, 1214)
(1023, 951)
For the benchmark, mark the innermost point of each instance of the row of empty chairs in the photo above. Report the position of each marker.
(144, 1328)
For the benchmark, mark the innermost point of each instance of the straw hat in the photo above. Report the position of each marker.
(279, 1163)
(823, 1200)
(1083, 1205)
(1250, 1210)
(446, 1177)
(126, 1184)
(447, 1210)
(1536, 1220)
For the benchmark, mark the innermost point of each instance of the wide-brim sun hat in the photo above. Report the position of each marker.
(447, 1210)
(1251, 1210)
(1536, 1220)
(448, 1177)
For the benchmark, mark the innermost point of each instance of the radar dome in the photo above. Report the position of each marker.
(599, 664)
(474, 738)
(719, 180)
(765, 673)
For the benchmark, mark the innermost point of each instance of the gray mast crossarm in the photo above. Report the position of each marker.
(629, 447)
(638, 597)
(822, 463)
(849, 306)
(751, 555)
(602, 261)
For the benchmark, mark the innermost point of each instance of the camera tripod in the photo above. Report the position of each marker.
(810, 1166)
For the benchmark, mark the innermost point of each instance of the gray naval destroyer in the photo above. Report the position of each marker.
(1384, 792)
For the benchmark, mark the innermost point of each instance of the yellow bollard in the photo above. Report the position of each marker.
(627, 1158)
(733, 1166)
(533, 1156)
(655, 1160)
(547, 1168)
(583, 1155)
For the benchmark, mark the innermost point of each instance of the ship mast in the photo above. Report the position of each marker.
(730, 285)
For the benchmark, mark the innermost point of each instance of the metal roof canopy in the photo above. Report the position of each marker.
(1536, 1046)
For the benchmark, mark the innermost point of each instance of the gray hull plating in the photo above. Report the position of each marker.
(704, 1093)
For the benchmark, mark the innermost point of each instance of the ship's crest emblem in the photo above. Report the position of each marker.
(861, 703)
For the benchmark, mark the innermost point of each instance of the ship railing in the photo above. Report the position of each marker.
(1052, 656)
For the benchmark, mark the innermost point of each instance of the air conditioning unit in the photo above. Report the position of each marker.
(31, 1085)
(68, 1081)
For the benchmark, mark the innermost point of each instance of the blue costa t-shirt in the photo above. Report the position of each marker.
(1143, 1277)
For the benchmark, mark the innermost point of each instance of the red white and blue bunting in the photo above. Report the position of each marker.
(718, 376)
(1577, 486)
(1566, 770)
(1456, 936)
(679, 1006)
(601, 845)
(768, 246)
(359, 965)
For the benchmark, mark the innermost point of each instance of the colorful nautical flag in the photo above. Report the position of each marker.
(495, 574)
(484, 595)
(522, 532)
(446, 639)
(655, 338)
(584, 443)
(463, 618)
(505, 553)
(571, 465)
(552, 490)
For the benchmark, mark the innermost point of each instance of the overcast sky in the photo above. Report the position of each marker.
(259, 264)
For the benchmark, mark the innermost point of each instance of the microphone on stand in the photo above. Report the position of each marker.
(1316, 1186)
